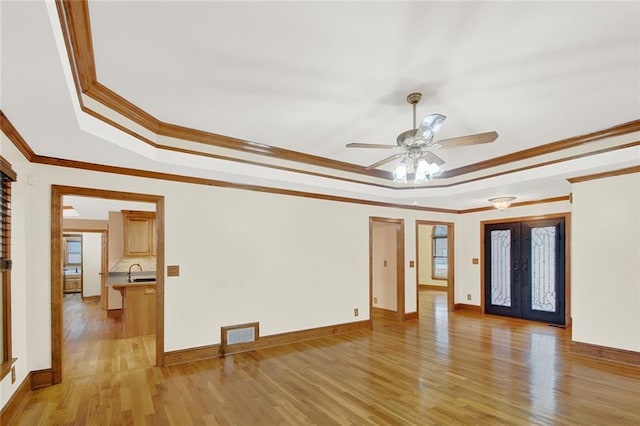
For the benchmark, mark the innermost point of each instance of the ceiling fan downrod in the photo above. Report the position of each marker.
(413, 99)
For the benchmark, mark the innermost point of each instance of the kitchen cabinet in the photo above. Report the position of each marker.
(72, 284)
(139, 233)
(139, 308)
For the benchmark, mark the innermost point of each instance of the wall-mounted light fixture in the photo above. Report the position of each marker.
(501, 203)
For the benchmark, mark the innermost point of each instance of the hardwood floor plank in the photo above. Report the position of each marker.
(445, 368)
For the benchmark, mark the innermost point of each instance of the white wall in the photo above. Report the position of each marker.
(468, 244)
(290, 263)
(116, 239)
(605, 264)
(384, 265)
(91, 263)
(20, 292)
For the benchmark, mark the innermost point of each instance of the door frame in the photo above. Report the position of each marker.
(73, 233)
(567, 263)
(57, 333)
(103, 253)
(400, 275)
(450, 262)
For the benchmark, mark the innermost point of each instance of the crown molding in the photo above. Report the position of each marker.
(619, 172)
(19, 142)
(520, 204)
(15, 137)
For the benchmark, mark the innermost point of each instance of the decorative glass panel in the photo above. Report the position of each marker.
(543, 269)
(501, 267)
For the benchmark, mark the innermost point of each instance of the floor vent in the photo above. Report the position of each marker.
(241, 334)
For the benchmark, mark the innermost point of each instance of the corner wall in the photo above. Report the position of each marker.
(606, 259)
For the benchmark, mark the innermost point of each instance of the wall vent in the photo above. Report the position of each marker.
(240, 334)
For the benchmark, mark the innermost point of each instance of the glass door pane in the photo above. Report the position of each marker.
(543, 269)
(501, 267)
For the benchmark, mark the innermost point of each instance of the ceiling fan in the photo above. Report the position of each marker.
(416, 146)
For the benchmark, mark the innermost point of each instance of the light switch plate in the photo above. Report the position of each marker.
(173, 270)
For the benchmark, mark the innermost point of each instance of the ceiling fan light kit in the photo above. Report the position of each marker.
(416, 147)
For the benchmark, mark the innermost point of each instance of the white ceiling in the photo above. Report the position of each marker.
(99, 208)
(313, 76)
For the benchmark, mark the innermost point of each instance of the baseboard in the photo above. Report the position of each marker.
(410, 316)
(605, 352)
(183, 356)
(432, 287)
(41, 378)
(15, 403)
(467, 307)
(91, 298)
(384, 314)
(211, 351)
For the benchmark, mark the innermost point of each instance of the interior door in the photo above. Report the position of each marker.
(91, 264)
(525, 270)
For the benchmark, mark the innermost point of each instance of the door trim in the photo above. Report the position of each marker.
(103, 253)
(450, 259)
(400, 275)
(567, 265)
(57, 192)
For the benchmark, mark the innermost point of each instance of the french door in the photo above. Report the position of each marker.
(525, 270)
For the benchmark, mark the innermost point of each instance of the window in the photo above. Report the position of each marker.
(440, 263)
(7, 175)
(73, 250)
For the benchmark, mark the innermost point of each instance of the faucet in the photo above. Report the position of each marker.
(129, 273)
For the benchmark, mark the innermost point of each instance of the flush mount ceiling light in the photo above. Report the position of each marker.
(501, 203)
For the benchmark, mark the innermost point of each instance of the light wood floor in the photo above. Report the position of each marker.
(445, 368)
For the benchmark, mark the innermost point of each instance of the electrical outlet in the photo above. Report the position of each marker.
(385, 263)
(13, 375)
(468, 297)
(375, 300)
(355, 312)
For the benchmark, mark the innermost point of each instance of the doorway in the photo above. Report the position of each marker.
(434, 252)
(57, 260)
(386, 268)
(72, 269)
(525, 269)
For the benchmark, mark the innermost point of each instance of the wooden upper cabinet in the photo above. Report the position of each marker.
(139, 233)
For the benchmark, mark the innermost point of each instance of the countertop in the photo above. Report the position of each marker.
(121, 279)
(119, 285)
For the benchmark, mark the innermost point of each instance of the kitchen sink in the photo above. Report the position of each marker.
(143, 280)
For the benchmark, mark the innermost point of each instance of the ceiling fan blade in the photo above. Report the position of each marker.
(370, 145)
(430, 125)
(469, 139)
(386, 160)
(433, 158)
